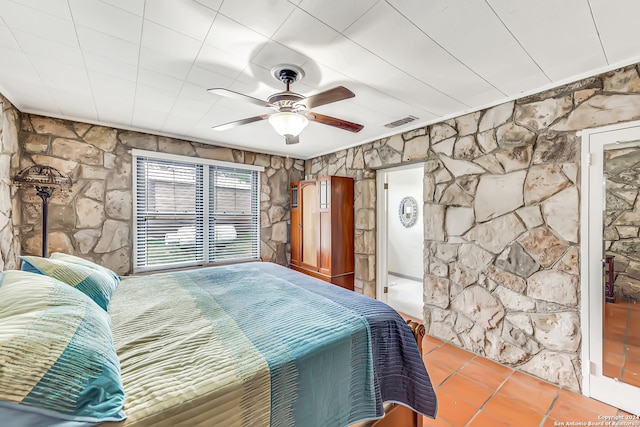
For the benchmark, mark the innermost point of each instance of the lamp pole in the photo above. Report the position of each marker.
(45, 194)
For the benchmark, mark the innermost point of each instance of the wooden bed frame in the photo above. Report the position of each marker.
(399, 415)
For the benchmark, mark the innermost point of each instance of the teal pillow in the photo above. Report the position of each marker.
(57, 351)
(81, 261)
(97, 284)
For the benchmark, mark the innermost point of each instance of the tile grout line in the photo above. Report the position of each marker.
(431, 351)
(457, 372)
(551, 405)
(481, 408)
(460, 367)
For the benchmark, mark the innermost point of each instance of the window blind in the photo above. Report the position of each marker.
(169, 213)
(192, 214)
(233, 214)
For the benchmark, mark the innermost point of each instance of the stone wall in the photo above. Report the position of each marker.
(9, 161)
(501, 202)
(94, 220)
(501, 220)
(622, 219)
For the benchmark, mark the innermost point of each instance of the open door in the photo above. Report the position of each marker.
(611, 265)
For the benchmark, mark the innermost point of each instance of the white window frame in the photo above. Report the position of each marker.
(135, 153)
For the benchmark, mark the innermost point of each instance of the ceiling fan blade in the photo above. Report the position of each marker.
(239, 96)
(230, 125)
(332, 121)
(328, 96)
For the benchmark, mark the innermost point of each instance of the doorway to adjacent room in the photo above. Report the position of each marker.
(400, 257)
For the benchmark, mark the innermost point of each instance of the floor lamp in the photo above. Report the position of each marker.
(45, 180)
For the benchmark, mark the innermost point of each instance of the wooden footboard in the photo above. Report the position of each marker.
(398, 415)
(418, 333)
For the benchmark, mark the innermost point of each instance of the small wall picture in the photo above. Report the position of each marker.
(408, 211)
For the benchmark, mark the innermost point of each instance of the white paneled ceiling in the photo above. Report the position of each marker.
(146, 65)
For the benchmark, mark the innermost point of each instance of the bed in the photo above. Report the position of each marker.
(252, 344)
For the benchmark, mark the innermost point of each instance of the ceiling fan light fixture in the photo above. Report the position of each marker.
(288, 123)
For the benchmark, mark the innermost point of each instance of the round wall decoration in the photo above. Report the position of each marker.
(408, 211)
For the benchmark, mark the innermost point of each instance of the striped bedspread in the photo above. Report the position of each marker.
(260, 345)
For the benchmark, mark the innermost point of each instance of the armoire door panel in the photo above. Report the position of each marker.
(343, 255)
(296, 224)
(324, 194)
(310, 225)
(325, 242)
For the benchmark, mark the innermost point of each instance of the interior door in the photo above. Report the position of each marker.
(612, 203)
(381, 235)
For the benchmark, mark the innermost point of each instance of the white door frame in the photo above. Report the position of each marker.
(594, 383)
(382, 215)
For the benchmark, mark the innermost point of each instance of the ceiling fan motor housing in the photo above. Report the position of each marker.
(287, 101)
(288, 76)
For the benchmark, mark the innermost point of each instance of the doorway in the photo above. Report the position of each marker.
(400, 257)
(610, 265)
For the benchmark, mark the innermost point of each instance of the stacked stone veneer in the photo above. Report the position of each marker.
(501, 220)
(622, 219)
(9, 160)
(94, 220)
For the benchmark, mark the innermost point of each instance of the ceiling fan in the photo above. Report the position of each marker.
(291, 109)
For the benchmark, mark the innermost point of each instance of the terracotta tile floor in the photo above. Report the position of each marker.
(476, 392)
(621, 347)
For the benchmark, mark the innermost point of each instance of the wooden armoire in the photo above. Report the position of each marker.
(322, 229)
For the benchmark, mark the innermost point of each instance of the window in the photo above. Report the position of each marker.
(233, 214)
(193, 211)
